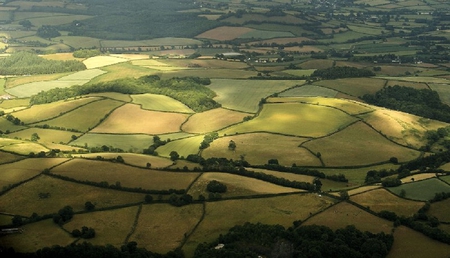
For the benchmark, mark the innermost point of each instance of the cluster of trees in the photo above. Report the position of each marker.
(433, 162)
(85, 232)
(422, 102)
(256, 240)
(86, 53)
(189, 90)
(180, 200)
(151, 150)
(64, 215)
(341, 72)
(208, 139)
(24, 63)
(375, 176)
(215, 186)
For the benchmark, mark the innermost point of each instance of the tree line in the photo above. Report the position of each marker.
(341, 72)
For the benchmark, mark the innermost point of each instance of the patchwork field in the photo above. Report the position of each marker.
(160, 103)
(143, 121)
(358, 144)
(101, 61)
(98, 171)
(354, 86)
(134, 159)
(440, 210)
(423, 190)
(224, 33)
(443, 90)
(21, 147)
(258, 148)
(212, 120)
(6, 157)
(183, 147)
(295, 119)
(309, 90)
(127, 142)
(244, 95)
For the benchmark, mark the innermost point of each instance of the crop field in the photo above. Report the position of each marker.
(134, 159)
(142, 121)
(294, 119)
(61, 193)
(400, 206)
(354, 86)
(224, 33)
(38, 113)
(423, 190)
(415, 85)
(98, 171)
(440, 210)
(309, 90)
(100, 61)
(122, 70)
(443, 90)
(316, 64)
(55, 20)
(345, 214)
(410, 243)
(32, 88)
(258, 148)
(162, 227)
(281, 210)
(237, 186)
(36, 236)
(150, 42)
(6, 157)
(401, 127)
(19, 171)
(77, 118)
(183, 147)
(111, 227)
(160, 103)
(22, 147)
(212, 120)
(130, 142)
(358, 144)
(19, 80)
(45, 135)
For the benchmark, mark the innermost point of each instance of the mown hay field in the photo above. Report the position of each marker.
(212, 120)
(423, 190)
(78, 120)
(258, 148)
(403, 128)
(390, 202)
(127, 142)
(356, 145)
(160, 103)
(134, 159)
(22, 147)
(410, 243)
(440, 210)
(295, 119)
(162, 227)
(183, 147)
(19, 80)
(61, 193)
(101, 61)
(223, 215)
(345, 214)
(142, 121)
(111, 227)
(37, 236)
(22, 170)
(237, 186)
(38, 113)
(309, 90)
(98, 171)
(123, 70)
(354, 86)
(224, 33)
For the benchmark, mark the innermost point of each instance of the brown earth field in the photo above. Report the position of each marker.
(212, 120)
(224, 33)
(130, 119)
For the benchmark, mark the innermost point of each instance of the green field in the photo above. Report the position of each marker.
(160, 103)
(6, 157)
(134, 159)
(294, 119)
(422, 190)
(101, 61)
(21, 147)
(356, 176)
(309, 90)
(127, 142)
(443, 90)
(212, 120)
(183, 147)
(354, 86)
(45, 135)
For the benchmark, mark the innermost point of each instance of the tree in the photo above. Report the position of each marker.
(35, 137)
(89, 206)
(273, 162)
(174, 155)
(231, 145)
(65, 214)
(215, 186)
(26, 24)
(148, 198)
(344, 195)
(317, 184)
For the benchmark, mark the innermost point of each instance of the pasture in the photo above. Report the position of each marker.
(5, 220)
(101, 61)
(212, 120)
(415, 85)
(14, 103)
(112, 95)
(443, 90)
(162, 227)
(286, 175)
(134, 159)
(37, 113)
(215, 73)
(22, 147)
(111, 226)
(354, 86)
(98, 171)
(419, 79)
(45, 135)
(309, 90)
(61, 193)
(258, 148)
(6, 126)
(123, 70)
(127, 142)
(265, 34)
(6, 157)
(283, 210)
(160, 103)
(79, 41)
(356, 175)
(358, 144)
(237, 186)
(183, 147)
(12, 82)
(55, 20)
(294, 119)
(143, 121)
(169, 41)
(77, 118)
(224, 33)
(423, 190)
(390, 202)
(22, 170)
(440, 210)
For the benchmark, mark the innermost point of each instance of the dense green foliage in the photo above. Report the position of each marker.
(255, 240)
(25, 63)
(425, 103)
(341, 72)
(86, 53)
(215, 186)
(189, 90)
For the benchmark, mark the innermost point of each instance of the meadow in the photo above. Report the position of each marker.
(423, 190)
(183, 147)
(127, 142)
(440, 210)
(45, 135)
(309, 90)
(22, 147)
(354, 86)
(442, 90)
(134, 159)
(160, 103)
(212, 120)
(224, 33)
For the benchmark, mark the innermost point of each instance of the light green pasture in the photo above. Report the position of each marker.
(309, 90)
(443, 90)
(45, 135)
(5, 126)
(354, 86)
(183, 147)
(22, 147)
(127, 142)
(160, 103)
(422, 190)
(55, 20)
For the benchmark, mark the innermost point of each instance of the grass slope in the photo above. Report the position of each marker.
(212, 120)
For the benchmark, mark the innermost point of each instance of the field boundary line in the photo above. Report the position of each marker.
(193, 182)
(134, 226)
(187, 235)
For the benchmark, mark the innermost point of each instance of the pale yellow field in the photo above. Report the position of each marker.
(237, 185)
(36, 236)
(101, 61)
(98, 171)
(381, 199)
(134, 159)
(212, 120)
(45, 135)
(418, 177)
(62, 193)
(22, 147)
(162, 227)
(258, 148)
(131, 118)
(111, 227)
(15, 81)
(60, 56)
(41, 112)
